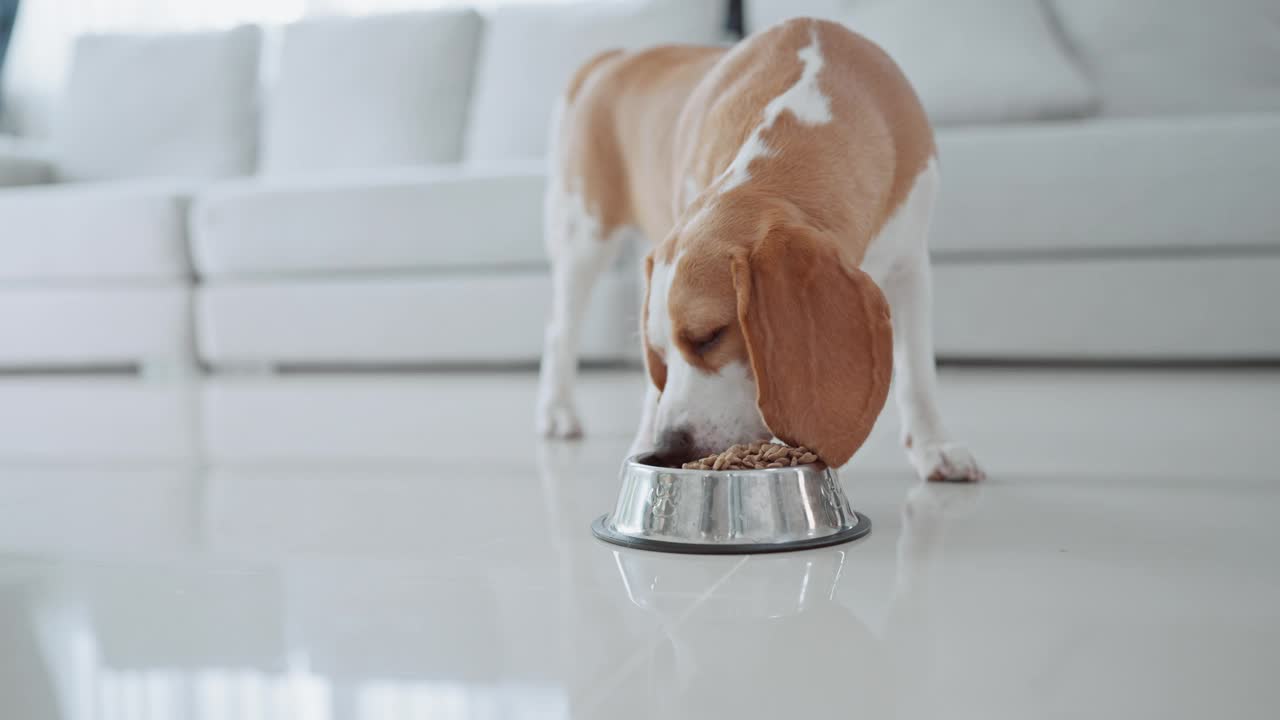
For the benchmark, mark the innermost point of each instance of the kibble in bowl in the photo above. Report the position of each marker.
(755, 456)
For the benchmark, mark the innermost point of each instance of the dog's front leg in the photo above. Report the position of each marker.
(929, 447)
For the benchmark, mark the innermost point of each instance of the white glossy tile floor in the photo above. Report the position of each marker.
(369, 548)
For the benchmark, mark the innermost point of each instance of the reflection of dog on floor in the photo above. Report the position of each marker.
(786, 185)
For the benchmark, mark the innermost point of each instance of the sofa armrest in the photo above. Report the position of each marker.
(24, 163)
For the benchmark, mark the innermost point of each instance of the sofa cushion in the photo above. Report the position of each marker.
(760, 14)
(1153, 309)
(1178, 56)
(99, 231)
(96, 326)
(355, 222)
(148, 105)
(375, 91)
(530, 52)
(970, 61)
(450, 318)
(1114, 186)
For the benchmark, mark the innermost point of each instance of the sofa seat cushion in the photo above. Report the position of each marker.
(1155, 309)
(96, 326)
(396, 94)
(1110, 186)
(152, 105)
(380, 321)
(99, 231)
(388, 221)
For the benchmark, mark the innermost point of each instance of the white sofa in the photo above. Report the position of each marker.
(93, 244)
(339, 260)
(1090, 208)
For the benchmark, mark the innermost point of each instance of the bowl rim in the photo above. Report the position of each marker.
(635, 461)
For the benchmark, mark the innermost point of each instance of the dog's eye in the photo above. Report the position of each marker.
(704, 344)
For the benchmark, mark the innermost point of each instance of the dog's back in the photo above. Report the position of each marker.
(814, 113)
(617, 132)
(789, 108)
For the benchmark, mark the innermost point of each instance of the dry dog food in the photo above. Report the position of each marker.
(755, 456)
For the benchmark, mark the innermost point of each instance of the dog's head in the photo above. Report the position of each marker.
(771, 338)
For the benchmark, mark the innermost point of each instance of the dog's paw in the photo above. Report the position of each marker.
(557, 419)
(945, 462)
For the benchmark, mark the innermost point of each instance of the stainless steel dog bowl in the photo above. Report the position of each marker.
(722, 512)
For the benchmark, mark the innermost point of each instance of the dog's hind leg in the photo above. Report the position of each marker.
(579, 254)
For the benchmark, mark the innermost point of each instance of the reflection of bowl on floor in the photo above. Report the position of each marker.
(762, 587)
(770, 639)
(730, 511)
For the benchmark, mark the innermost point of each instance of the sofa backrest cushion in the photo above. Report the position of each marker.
(760, 14)
(1152, 57)
(370, 92)
(182, 104)
(530, 52)
(970, 61)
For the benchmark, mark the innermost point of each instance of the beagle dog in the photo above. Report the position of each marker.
(787, 184)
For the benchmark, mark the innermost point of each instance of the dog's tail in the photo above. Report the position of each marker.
(584, 71)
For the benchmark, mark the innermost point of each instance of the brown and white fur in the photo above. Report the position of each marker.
(787, 184)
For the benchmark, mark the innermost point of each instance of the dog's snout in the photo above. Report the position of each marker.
(675, 445)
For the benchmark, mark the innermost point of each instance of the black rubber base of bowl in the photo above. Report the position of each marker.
(601, 530)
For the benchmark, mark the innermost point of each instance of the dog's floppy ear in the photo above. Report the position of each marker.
(819, 339)
(652, 361)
